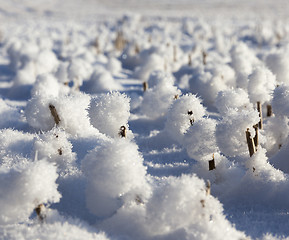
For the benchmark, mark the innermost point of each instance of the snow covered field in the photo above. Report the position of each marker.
(144, 119)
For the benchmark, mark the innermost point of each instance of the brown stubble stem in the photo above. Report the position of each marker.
(250, 142)
(259, 108)
(54, 114)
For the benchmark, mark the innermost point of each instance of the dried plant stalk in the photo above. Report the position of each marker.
(269, 110)
(192, 120)
(40, 213)
(165, 65)
(208, 187)
(138, 200)
(96, 45)
(259, 108)
(203, 203)
(279, 146)
(190, 60)
(54, 114)
(119, 42)
(175, 53)
(256, 138)
(204, 54)
(250, 142)
(136, 49)
(145, 86)
(122, 132)
(212, 164)
(278, 36)
(59, 151)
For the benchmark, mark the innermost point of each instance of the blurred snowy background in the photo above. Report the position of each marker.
(83, 9)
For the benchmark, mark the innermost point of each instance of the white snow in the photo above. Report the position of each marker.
(129, 119)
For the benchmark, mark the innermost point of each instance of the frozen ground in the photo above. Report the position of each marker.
(100, 186)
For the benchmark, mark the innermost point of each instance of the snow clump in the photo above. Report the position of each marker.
(23, 189)
(183, 112)
(261, 85)
(200, 140)
(233, 99)
(109, 112)
(55, 147)
(157, 100)
(71, 110)
(231, 131)
(115, 174)
(188, 210)
(278, 64)
(243, 62)
(100, 81)
(280, 101)
(113, 65)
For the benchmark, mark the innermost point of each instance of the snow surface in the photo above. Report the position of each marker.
(112, 112)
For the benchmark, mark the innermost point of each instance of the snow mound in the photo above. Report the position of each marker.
(108, 113)
(22, 190)
(115, 173)
(182, 114)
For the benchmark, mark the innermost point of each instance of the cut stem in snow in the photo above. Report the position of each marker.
(259, 108)
(204, 54)
(175, 53)
(136, 49)
(96, 45)
(279, 146)
(119, 42)
(269, 110)
(256, 138)
(165, 65)
(60, 151)
(40, 212)
(250, 142)
(190, 60)
(145, 86)
(192, 120)
(54, 114)
(208, 188)
(212, 165)
(138, 200)
(203, 203)
(122, 132)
